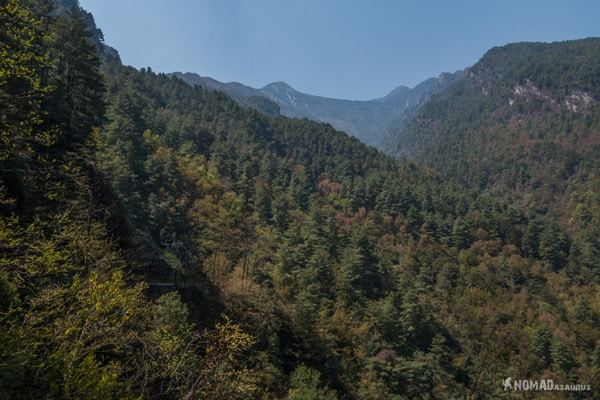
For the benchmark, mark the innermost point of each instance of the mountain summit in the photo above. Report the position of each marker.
(367, 120)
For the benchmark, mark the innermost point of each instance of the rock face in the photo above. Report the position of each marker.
(514, 94)
(367, 120)
(523, 122)
(576, 101)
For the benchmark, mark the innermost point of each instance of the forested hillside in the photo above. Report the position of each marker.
(523, 123)
(367, 120)
(245, 96)
(160, 241)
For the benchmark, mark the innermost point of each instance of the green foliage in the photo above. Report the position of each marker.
(361, 271)
(22, 60)
(554, 247)
(541, 342)
(304, 385)
(169, 244)
(523, 124)
(562, 359)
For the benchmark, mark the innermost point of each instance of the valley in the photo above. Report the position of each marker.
(170, 236)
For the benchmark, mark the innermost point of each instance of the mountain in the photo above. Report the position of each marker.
(366, 120)
(420, 95)
(160, 241)
(532, 105)
(246, 96)
(523, 123)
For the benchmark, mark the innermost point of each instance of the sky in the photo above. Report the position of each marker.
(353, 49)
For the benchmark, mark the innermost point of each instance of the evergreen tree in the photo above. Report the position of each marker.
(77, 102)
(562, 359)
(361, 270)
(554, 247)
(444, 373)
(542, 343)
(414, 220)
(531, 238)
(461, 234)
(262, 202)
(22, 90)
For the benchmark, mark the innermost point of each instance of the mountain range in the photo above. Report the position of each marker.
(366, 120)
(167, 240)
(522, 122)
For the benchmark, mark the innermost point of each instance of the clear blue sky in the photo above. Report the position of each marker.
(356, 49)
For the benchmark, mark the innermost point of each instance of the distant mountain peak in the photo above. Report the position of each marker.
(246, 96)
(368, 120)
(399, 91)
(279, 86)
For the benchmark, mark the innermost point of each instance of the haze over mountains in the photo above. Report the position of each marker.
(367, 120)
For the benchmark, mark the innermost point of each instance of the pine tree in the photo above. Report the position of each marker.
(23, 59)
(77, 101)
(554, 247)
(386, 201)
(414, 220)
(417, 324)
(461, 233)
(263, 199)
(444, 373)
(531, 238)
(562, 359)
(300, 187)
(541, 343)
(360, 267)
(280, 209)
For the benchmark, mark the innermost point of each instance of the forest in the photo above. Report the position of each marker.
(159, 241)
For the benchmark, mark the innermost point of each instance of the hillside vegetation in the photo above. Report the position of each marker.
(159, 241)
(523, 123)
(367, 120)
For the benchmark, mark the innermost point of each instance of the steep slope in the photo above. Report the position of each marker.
(234, 89)
(332, 254)
(366, 120)
(519, 102)
(65, 6)
(159, 241)
(420, 96)
(246, 96)
(524, 122)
